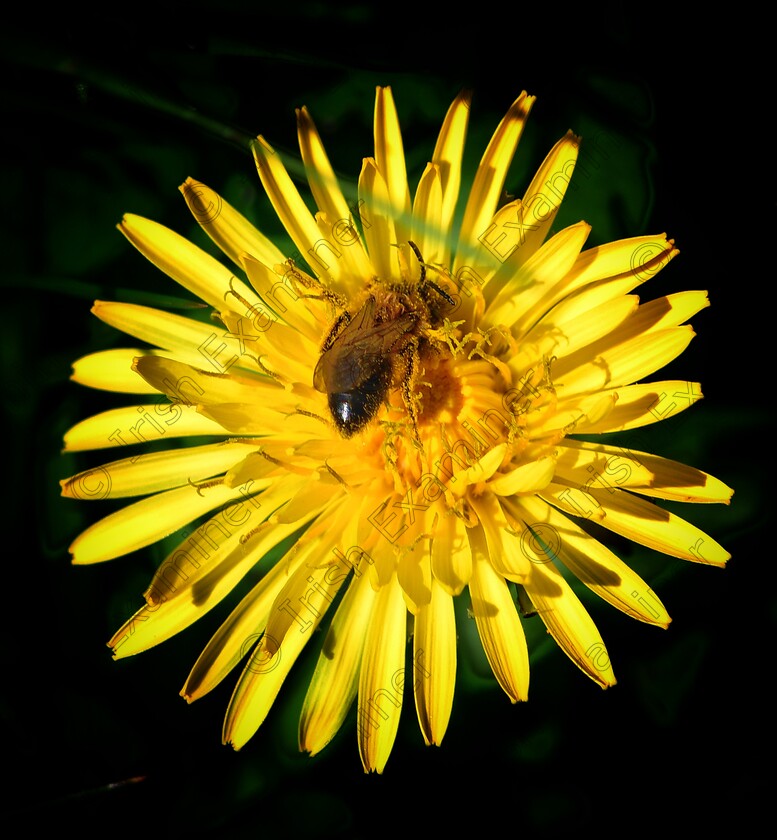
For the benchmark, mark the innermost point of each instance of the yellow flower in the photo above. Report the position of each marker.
(395, 414)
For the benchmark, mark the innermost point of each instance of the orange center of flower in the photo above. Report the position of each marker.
(440, 394)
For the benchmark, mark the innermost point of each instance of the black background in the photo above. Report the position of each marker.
(109, 114)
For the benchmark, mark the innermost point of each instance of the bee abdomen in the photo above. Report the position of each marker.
(353, 410)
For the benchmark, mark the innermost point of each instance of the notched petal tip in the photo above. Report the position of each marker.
(127, 221)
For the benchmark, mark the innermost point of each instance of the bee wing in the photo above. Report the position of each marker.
(326, 363)
(358, 351)
(344, 369)
(319, 380)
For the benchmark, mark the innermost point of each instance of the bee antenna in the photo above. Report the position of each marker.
(417, 251)
(422, 279)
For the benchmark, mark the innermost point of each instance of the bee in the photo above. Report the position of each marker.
(378, 346)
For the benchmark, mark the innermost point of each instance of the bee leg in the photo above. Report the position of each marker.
(410, 359)
(297, 278)
(340, 323)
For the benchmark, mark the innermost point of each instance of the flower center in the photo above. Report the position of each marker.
(440, 396)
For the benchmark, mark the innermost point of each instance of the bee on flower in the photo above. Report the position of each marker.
(398, 416)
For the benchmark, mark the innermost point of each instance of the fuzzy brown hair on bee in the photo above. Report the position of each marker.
(378, 345)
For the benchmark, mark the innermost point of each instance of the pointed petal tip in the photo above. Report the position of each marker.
(260, 146)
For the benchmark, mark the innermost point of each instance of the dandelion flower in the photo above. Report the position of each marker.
(397, 416)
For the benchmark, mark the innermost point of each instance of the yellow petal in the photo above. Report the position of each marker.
(623, 364)
(309, 589)
(231, 231)
(277, 415)
(572, 416)
(481, 470)
(275, 653)
(390, 160)
(147, 521)
(193, 386)
(202, 571)
(187, 264)
(111, 370)
(414, 573)
(138, 424)
(640, 521)
(643, 404)
(155, 471)
(201, 344)
(505, 551)
(554, 337)
(519, 228)
(657, 316)
(236, 636)
(434, 664)
(528, 478)
(451, 555)
(665, 312)
(332, 688)
(650, 475)
(384, 564)
(498, 623)
(538, 284)
(550, 536)
(379, 230)
(545, 193)
(330, 200)
(286, 300)
(279, 351)
(428, 232)
(637, 259)
(321, 177)
(490, 177)
(447, 158)
(382, 677)
(569, 623)
(322, 256)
